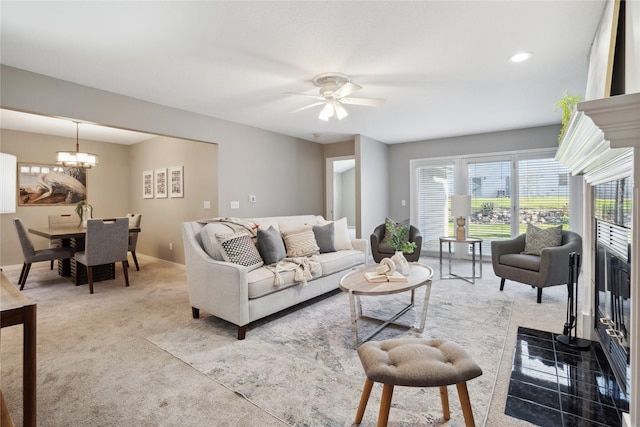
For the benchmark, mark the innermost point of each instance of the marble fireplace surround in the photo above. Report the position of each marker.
(602, 143)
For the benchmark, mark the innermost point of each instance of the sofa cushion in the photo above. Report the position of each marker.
(261, 282)
(270, 245)
(300, 241)
(523, 261)
(325, 237)
(539, 238)
(333, 262)
(238, 248)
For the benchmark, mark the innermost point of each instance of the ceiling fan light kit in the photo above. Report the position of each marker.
(335, 90)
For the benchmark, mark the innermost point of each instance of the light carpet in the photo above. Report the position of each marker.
(301, 367)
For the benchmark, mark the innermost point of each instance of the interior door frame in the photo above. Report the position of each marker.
(328, 210)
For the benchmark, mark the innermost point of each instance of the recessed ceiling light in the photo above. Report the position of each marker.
(521, 57)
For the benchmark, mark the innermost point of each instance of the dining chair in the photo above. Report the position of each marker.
(106, 242)
(134, 221)
(32, 255)
(56, 220)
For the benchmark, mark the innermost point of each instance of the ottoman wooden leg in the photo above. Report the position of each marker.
(364, 398)
(385, 405)
(463, 393)
(444, 397)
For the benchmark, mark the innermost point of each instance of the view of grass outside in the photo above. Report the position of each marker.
(491, 217)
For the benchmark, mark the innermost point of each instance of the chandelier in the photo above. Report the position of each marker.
(76, 159)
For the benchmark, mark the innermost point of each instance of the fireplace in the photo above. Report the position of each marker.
(613, 275)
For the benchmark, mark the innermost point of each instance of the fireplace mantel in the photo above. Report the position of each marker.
(600, 138)
(600, 145)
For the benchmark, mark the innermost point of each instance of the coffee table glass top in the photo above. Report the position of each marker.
(356, 282)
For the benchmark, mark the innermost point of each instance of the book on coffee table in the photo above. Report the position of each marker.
(374, 277)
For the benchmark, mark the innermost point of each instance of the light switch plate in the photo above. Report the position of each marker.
(207, 204)
(235, 204)
(252, 198)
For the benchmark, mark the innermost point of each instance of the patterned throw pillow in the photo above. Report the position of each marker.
(540, 238)
(300, 241)
(238, 248)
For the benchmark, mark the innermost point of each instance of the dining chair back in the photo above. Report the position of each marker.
(62, 219)
(134, 221)
(106, 242)
(32, 255)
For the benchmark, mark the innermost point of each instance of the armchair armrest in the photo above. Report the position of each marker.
(509, 246)
(554, 262)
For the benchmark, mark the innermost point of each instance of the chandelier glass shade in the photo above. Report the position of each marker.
(76, 159)
(333, 109)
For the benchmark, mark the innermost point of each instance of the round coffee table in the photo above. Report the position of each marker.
(356, 285)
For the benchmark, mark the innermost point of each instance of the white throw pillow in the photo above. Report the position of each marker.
(341, 236)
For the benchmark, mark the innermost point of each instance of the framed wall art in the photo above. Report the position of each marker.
(147, 185)
(50, 184)
(161, 183)
(176, 181)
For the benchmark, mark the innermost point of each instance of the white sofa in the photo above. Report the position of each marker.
(241, 295)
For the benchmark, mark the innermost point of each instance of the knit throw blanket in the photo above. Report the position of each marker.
(235, 224)
(303, 266)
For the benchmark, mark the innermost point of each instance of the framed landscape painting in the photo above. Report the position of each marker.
(46, 184)
(161, 183)
(176, 181)
(147, 185)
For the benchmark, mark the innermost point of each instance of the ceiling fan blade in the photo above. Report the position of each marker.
(307, 107)
(304, 94)
(347, 89)
(369, 102)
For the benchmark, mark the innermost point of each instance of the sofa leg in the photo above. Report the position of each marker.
(242, 332)
(539, 295)
(195, 312)
(502, 284)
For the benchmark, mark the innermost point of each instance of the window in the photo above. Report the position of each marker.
(507, 192)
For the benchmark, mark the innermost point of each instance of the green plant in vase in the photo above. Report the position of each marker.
(84, 211)
(400, 237)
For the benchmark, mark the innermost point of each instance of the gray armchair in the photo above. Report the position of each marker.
(381, 250)
(549, 269)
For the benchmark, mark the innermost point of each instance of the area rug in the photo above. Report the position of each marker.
(300, 365)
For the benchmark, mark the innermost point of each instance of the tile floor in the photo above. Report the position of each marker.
(554, 385)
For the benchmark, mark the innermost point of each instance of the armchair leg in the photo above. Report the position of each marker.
(539, 295)
(502, 284)
(195, 312)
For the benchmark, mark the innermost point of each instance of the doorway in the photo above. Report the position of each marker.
(341, 190)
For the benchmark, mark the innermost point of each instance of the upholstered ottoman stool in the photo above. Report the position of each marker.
(415, 362)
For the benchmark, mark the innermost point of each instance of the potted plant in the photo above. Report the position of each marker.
(84, 211)
(400, 242)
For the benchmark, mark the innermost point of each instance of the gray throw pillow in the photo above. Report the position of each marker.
(539, 238)
(324, 237)
(270, 245)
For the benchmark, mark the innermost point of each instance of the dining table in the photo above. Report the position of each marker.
(74, 237)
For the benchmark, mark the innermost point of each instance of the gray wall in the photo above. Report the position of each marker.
(114, 188)
(284, 173)
(348, 202)
(495, 142)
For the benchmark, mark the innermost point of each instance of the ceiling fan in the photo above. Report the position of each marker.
(335, 90)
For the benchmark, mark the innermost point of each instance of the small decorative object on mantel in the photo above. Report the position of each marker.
(84, 211)
(400, 242)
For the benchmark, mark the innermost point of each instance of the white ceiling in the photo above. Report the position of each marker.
(442, 66)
